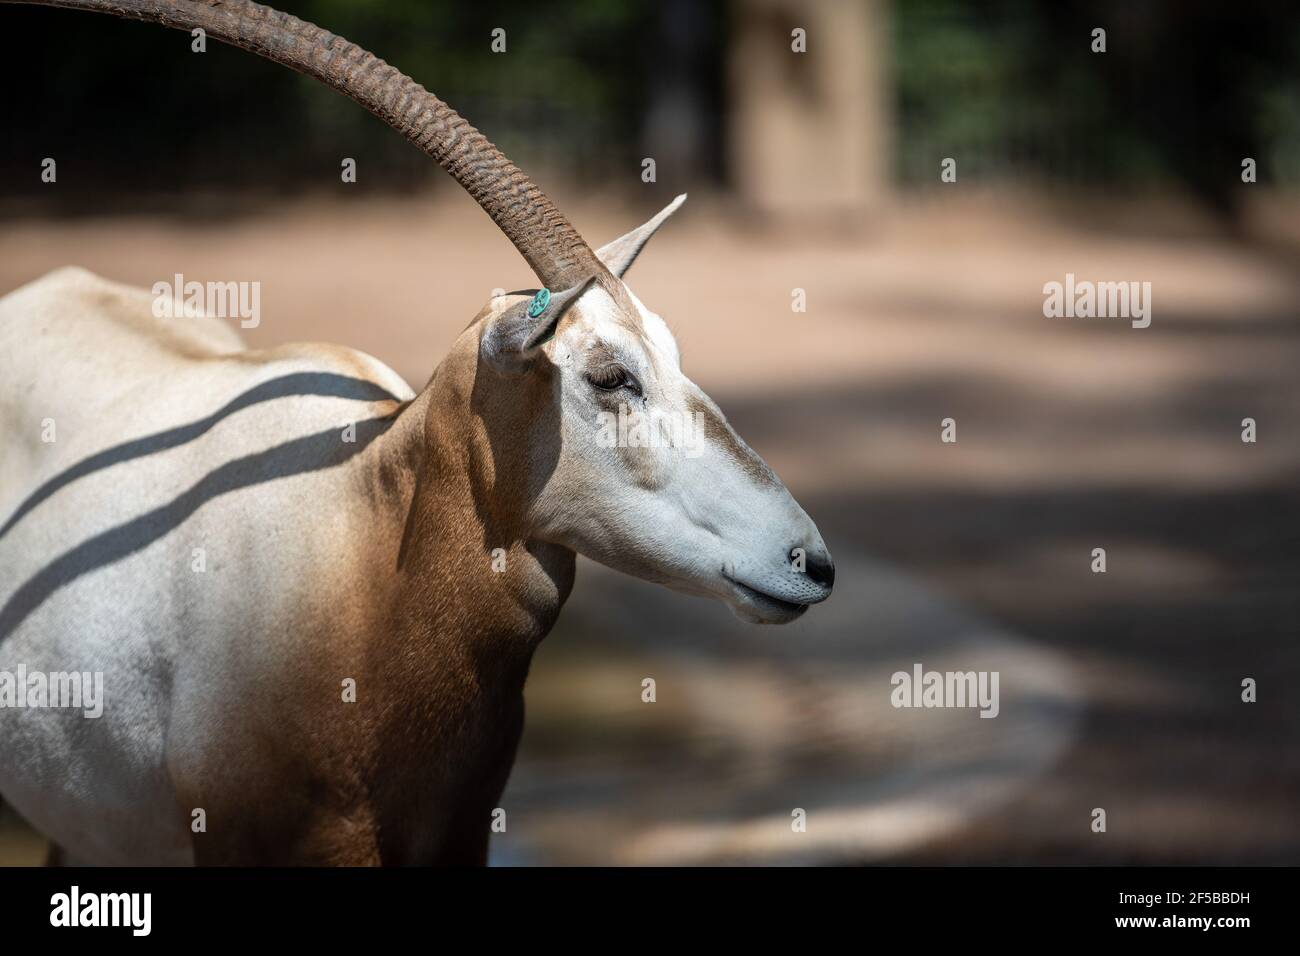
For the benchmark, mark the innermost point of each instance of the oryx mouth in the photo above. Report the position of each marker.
(766, 601)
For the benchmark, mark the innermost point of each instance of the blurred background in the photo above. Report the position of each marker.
(816, 171)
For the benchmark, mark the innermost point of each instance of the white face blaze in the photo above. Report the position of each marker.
(651, 480)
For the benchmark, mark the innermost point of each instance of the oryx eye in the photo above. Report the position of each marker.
(610, 378)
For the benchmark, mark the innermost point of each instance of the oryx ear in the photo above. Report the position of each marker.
(513, 338)
(619, 255)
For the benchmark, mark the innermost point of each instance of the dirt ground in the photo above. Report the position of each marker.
(1072, 434)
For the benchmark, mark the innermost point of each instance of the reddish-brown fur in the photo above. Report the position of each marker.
(438, 642)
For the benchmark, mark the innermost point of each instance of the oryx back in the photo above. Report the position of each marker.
(152, 472)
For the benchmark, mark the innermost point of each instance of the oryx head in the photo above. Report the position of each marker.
(649, 477)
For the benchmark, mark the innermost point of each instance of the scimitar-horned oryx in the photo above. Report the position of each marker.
(238, 540)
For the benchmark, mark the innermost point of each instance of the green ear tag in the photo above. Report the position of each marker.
(539, 303)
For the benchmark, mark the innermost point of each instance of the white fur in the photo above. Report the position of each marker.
(79, 350)
(700, 523)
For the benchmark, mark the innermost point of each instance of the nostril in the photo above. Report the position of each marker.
(819, 567)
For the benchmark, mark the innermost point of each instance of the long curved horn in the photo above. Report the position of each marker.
(553, 248)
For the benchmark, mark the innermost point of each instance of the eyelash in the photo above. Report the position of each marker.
(613, 377)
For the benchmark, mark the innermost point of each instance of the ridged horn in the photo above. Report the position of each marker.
(550, 244)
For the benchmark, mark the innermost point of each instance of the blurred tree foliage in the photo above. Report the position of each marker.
(1008, 87)
(1184, 91)
(571, 92)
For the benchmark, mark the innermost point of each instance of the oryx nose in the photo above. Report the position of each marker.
(820, 568)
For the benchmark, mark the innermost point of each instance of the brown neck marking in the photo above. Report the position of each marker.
(451, 641)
